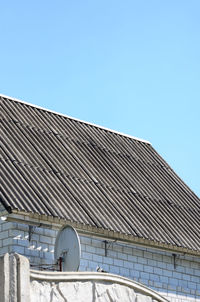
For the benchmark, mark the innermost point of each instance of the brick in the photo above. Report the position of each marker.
(142, 260)
(153, 277)
(108, 260)
(84, 262)
(148, 255)
(112, 254)
(174, 281)
(144, 281)
(158, 284)
(93, 265)
(186, 290)
(182, 283)
(19, 249)
(128, 264)
(22, 227)
(162, 264)
(83, 247)
(7, 241)
(118, 248)
(197, 272)
(158, 271)
(97, 258)
(81, 268)
(177, 275)
(5, 249)
(4, 235)
(134, 273)
(170, 267)
(85, 240)
(114, 269)
(7, 226)
(122, 256)
(189, 271)
(33, 252)
(191, 285)
(195, 265)
(17, 234)
(157, 257)
(45, 239)
(49, 256)
(127, 250)
(150, 283)
(164, 279)
(44, 247)
(148, 269)
(35, 237)
(167, 259)
(186, 277)
(182, 269)
(152, 262)
(53, 240)
(132, 258)
(100, 251)
(171, 287)
(144, 275)
(118, 262)
(87, 256)
(124, 271)
(167, 273)
(90, 249)
(49, 232)
(138, 253)
(22, 242)
(138, 266)
(38, 230)
(195, 279)
(98, 243)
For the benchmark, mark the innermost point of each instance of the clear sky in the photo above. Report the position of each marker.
(132, 66)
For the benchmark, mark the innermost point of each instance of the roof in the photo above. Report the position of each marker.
(61, 167)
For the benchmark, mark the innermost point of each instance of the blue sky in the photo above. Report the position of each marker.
(132, 66)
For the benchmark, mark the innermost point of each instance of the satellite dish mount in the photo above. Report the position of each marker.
(67, 249)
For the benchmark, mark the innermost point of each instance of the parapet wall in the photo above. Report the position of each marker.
(20, 284)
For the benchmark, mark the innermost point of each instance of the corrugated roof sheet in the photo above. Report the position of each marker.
(57, 166)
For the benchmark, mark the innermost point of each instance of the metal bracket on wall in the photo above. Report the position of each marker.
(31, 230)
(106, 247)
(174, 260)
(107, 244)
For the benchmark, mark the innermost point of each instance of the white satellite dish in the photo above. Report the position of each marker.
(68, 249)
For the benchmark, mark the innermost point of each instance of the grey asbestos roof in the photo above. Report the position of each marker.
(57, 166)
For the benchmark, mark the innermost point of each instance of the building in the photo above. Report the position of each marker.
(134, 215)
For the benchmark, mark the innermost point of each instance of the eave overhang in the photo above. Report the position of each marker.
(91, 231)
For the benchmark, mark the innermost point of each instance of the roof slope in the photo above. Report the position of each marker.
(58, 166)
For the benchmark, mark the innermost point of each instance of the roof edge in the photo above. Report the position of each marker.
(76, 119)
(93, 231)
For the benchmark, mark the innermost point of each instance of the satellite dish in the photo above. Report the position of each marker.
(68, 249)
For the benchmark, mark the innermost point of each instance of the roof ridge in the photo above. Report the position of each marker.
(76, 119)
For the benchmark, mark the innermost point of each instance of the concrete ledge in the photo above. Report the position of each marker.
(95, 277)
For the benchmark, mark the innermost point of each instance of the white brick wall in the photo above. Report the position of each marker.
(150, 267)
